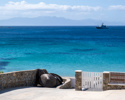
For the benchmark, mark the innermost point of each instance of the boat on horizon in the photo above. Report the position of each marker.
(102, 27)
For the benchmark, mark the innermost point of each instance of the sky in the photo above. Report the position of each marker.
(104, 10)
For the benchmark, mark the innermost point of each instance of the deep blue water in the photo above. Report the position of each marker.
(62, 49)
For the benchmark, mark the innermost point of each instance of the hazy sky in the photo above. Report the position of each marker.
(105, 10)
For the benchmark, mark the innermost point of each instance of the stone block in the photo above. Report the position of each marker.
(78, 80)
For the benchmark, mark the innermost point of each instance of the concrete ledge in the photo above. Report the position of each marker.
(66, 84)
(116, 84)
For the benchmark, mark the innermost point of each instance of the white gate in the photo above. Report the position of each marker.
(92, 81)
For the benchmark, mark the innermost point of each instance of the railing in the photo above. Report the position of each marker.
(92, 81)
(116, 78)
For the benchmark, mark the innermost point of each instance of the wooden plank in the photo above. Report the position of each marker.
(116, 77)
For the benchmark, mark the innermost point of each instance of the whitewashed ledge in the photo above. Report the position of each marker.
(66, 83)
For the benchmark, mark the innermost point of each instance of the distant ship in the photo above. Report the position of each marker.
(102, 27)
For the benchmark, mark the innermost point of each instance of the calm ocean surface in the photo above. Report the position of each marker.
(62, 50)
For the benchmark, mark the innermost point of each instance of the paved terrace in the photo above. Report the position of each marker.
(38, 93)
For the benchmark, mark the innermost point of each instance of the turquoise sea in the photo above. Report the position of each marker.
(62, 49)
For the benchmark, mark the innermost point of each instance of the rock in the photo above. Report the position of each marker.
(39, 73)
(59, 79)
(47, 80)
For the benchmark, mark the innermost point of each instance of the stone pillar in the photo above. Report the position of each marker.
(105, 80)
(78, 80)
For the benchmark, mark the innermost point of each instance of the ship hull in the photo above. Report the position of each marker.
(101, 27)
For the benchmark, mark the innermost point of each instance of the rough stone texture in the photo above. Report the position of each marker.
(66, 84)
(105, 80)
(78, 80)
(17, 79)
(25, 78)
(107, 85)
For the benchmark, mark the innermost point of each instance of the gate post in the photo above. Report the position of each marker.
(78, 80)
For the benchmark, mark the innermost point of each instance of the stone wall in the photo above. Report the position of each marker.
(26, 78)
(109, 86)
(17, 79)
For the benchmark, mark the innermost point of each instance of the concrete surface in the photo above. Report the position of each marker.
(38, 93)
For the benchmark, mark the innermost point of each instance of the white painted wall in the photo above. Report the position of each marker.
(72, 82)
